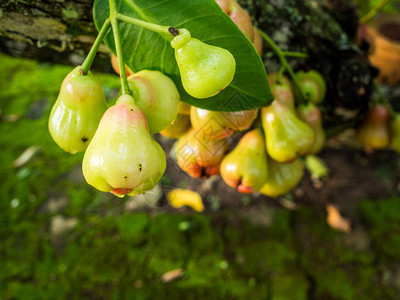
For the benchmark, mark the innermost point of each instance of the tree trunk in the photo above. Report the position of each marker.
(62, 31)
(55, 31)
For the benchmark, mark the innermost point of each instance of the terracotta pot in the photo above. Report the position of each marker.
(384, 37)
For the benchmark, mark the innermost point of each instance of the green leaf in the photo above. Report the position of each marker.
(143, 49)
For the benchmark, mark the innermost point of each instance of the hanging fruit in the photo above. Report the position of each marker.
(313, 85)
(311, 114)
(287, 136)
(245, 168)
(178, 128)
(205, 70)
(77, 112)
(199, 156)
(374, 131)
(282, 177)
(123, 158)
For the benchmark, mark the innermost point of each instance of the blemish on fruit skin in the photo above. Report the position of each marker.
(140, 167)
(121, 191)
(85, 139)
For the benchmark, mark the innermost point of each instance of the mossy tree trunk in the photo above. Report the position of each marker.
(57, 31)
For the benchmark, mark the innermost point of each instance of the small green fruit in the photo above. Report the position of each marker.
(205, 70)
(123, 158)
(157, 96)
(77, 112)
(287, 136)
(282, 177)
(313, 85)
(245, 168)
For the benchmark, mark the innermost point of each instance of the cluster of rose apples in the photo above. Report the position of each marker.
(122, 157)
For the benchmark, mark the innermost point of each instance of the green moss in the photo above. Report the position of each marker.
(383, 219)
(70, 13)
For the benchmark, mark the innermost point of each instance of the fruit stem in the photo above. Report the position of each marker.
(285, 64)
(92, 53)
(280, 74)
(368, 16)
(118, 47)
(294, 54)
(167, 31)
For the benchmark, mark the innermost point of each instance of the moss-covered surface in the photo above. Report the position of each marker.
(115, 253)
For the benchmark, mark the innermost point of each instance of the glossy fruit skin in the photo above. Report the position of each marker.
(123, 158)
(205, 70)
(179, 127)
(157, 96)
(199, 156)
(282, 90)
(286, 135)
(374, 131)
(395, 127)
(284, 94)
(77, 112)
(245, 168)
(224, 4)
(311, 114)
(219, 124)
(313, 85)
(241, 19)
(239, 16)
(115, 65)
(282, 177)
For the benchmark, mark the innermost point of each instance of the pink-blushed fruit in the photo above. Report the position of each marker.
(77, 112)
(311, 114)
(122, 157)
(157, 96)
(198, 155)
(374, 131)
(115, 65)
(245, 168)
(258, 42)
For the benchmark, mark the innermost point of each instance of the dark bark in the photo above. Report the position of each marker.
(62, 32)
(56, 31)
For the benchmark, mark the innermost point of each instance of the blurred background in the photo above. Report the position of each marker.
(60, 238)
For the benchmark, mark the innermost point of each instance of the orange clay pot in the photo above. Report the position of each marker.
(384, 37)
